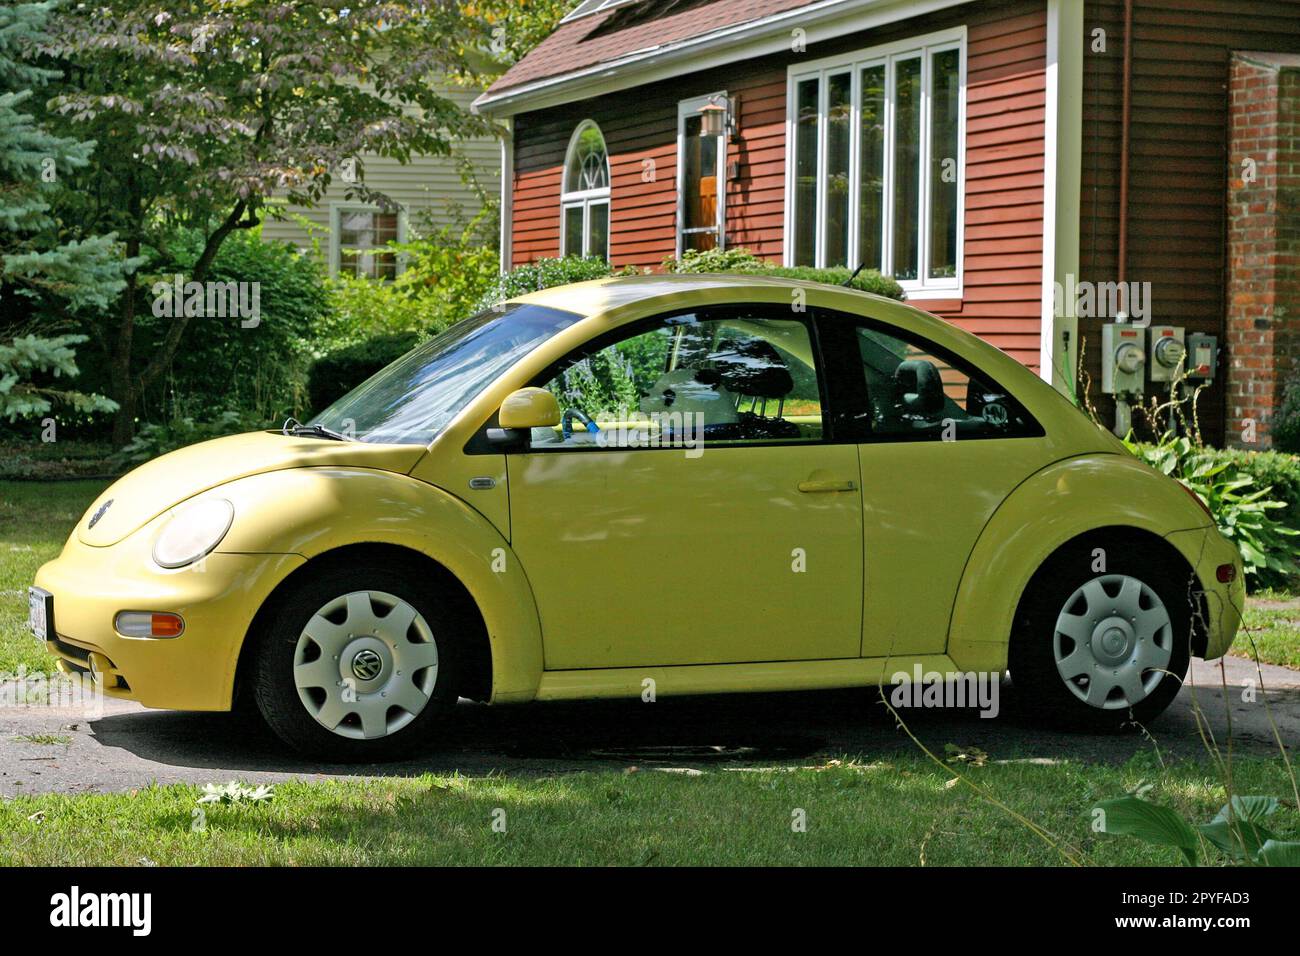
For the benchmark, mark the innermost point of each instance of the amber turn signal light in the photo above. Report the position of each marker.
(148, 624)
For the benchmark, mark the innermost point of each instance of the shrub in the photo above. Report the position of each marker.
(1242, 508)
(1285, 427)
(443, 275)
(545, 274)
(742, 260)
(158, 438)
(334, 375)
(259, 372)
(1269, 469)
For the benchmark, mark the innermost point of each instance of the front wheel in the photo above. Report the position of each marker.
(357, 664)
(1103, 639)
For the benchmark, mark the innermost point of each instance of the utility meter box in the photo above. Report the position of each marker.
(1123, 357)
(1202, 356)
(1168, 352)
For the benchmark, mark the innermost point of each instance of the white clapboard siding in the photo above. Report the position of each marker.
(428, 188)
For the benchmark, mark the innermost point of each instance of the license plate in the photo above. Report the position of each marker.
(40, 613)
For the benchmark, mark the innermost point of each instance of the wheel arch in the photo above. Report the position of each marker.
(1102, 495)
(441, 583)
(340, 514)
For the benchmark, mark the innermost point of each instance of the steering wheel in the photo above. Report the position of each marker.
(566, 422)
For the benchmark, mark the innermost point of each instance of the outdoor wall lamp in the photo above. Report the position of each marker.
(718, 117)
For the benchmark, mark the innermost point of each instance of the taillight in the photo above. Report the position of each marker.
(1226, 573)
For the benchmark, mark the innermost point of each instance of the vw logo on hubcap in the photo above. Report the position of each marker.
(367, 665)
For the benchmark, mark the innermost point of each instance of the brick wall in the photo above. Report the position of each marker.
(1263, 289)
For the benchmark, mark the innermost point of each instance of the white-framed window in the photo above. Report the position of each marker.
(584, 194)
(875, 162)
(359, 236)
(701, 178)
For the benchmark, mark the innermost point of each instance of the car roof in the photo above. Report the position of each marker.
(604, 295)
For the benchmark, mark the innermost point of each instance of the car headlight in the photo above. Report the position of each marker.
(192, 531)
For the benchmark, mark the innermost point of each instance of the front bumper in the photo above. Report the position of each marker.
(195, 671)
(1205, 550)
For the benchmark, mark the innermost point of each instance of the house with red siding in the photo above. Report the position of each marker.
(1025, 169)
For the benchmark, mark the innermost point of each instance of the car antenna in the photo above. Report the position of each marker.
(849, 281)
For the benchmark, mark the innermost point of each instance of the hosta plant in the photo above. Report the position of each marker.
(1237, 831)
(1243, 511)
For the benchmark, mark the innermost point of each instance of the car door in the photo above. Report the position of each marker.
(942, 446)
(691, 508)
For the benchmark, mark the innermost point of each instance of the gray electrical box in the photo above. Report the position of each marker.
(1202, 356)
(1123, 357)
(1167, 352)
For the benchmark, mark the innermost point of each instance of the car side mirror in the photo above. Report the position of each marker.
(529, 408)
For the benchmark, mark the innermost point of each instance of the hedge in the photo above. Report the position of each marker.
(334, 375)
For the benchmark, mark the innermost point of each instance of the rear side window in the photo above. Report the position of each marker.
(916, 392)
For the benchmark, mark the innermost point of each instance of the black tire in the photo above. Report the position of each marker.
(272, 678)
(1042, 693)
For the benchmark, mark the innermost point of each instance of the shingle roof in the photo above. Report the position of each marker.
(611, 34)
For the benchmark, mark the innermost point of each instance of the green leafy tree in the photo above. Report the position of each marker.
(206, 109)
(41, 273)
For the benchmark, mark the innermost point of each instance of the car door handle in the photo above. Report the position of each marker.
(811, 486)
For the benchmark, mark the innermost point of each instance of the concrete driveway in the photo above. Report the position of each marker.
(45, 750)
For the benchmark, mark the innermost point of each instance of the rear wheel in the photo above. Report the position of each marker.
(357, 664)
(1103, 637)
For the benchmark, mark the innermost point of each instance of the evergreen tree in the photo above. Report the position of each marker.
(43, 279)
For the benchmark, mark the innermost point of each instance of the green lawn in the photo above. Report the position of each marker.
(35, 519)
(1273, 622)
(898, 812)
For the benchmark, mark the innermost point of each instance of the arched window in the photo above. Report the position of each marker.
(584, 195)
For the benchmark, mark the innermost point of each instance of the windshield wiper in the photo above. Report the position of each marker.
(293, 427)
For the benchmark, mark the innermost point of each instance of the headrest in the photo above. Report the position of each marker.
(754, 368)
(918, 387)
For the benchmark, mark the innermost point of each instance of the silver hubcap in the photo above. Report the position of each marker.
(365, 665)
(1113, 642)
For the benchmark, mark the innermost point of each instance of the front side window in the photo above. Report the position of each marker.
(733, 377)
(584, 196)
(362, 240)
(416, 397)
(916, 393)
(875, 164)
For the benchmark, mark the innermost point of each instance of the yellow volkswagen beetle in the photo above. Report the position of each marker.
(650, 485)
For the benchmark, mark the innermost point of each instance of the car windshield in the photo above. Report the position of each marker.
(415, 398)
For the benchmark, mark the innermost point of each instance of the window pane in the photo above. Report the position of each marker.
(598, 230)
(943, 165)
(872, 167)
(907, 172)
(916, 394)
(588, 166)
(361, 230)
(805, 173)
(700, 179)
(839, 119)
(728, 380)
(573, 230)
